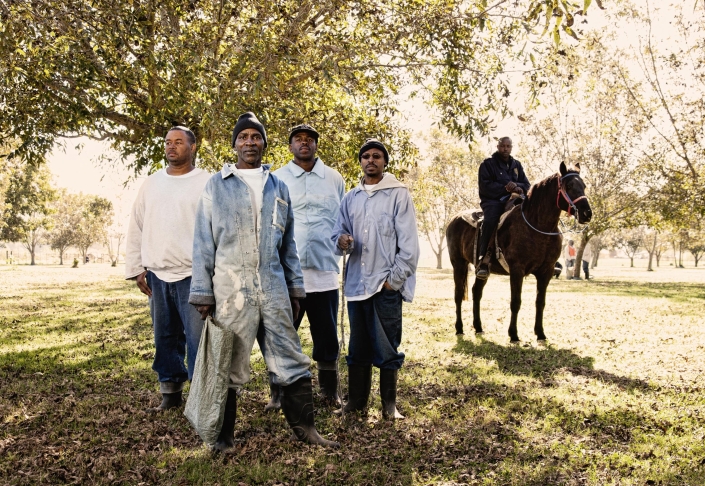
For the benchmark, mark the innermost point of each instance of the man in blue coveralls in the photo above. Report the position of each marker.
(246, 270)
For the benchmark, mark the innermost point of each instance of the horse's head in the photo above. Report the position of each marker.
(571, 196)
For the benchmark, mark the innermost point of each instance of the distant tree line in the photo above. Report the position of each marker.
(32, 212)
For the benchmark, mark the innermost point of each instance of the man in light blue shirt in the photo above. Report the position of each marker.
(377, 227)
(316, 191)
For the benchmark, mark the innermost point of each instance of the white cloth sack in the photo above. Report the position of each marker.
(205, 406)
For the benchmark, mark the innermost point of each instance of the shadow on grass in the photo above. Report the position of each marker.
(542, 362)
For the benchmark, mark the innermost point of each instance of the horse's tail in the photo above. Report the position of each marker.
(454, 232)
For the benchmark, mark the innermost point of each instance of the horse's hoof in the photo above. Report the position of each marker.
(542, 343)
(459, 333)
(514, 343)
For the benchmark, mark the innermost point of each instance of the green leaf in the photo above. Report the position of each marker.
(570, 32)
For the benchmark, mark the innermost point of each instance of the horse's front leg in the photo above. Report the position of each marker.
(542, 282)
(516, 279)
(477, 288)
(460, 277)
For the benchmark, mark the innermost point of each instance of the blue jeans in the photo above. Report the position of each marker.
(177, 331)
(375, 331)
(322, 310)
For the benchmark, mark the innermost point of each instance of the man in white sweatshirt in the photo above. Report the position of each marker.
(158, 257)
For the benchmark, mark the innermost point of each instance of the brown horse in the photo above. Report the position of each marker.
(530, 241)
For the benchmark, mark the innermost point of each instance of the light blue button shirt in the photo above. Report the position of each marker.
(315, 197)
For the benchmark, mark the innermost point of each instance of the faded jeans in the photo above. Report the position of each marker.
(177, 331)
(375, 331)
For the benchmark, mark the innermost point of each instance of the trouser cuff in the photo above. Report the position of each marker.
(166, 387)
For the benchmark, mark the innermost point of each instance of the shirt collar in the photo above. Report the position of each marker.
(319, 169)
(229, 169)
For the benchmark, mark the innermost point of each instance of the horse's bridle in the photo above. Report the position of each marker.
(568, 200)
(562, 192)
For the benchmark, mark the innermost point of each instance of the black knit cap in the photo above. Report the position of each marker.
(248, 120)
(371, 143)
(303, 128)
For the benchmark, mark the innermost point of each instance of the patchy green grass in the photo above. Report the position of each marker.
(617, 398)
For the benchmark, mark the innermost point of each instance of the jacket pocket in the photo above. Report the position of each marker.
(385, 226)
(280, 214)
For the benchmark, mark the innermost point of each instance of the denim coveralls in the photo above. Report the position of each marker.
(249, 276)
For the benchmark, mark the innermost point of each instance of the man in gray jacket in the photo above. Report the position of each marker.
(246, 269)
(377, 227)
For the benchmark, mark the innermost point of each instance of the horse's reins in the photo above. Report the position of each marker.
(568, 200)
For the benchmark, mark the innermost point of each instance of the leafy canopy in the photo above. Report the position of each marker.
(126, 70)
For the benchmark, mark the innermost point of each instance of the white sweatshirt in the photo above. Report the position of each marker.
(160, 235)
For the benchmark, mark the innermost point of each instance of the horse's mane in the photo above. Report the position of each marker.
(542, 186)
(541, 192)
(549, 182)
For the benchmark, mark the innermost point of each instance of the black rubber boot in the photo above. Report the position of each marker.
(169, 400)
(388, 392)
(359, 385)
(275, 401)
(328, 381)
(297, 405)
(226, 438)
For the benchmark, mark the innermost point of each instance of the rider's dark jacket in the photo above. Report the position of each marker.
(494, 174)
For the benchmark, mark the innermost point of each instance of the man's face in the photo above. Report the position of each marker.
(504, 148)
(372, 162)
(249, 146)
(303, 146)
(178, 149)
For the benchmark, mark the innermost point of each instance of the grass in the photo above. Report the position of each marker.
(617, 397)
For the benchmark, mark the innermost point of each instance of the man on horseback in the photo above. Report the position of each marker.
(499, 177)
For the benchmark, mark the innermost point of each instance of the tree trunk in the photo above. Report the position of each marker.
(61, 258)
(579, 260)
(439, 260)
(632, 260)
(31, 254)
(651, 251)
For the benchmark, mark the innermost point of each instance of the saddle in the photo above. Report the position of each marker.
(474, 218)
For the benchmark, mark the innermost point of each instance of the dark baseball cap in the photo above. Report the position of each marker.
(303, 128)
